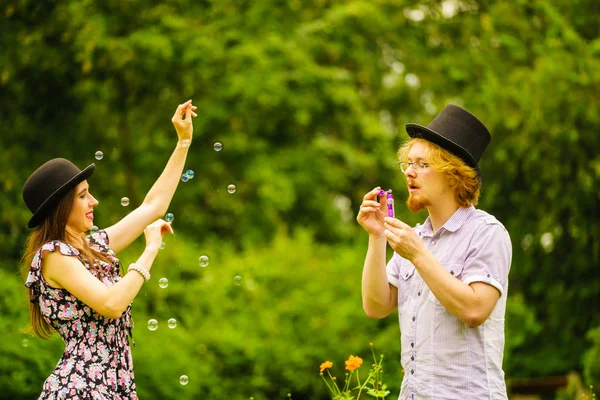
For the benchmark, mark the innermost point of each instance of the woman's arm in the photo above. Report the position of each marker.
(157, 201)
(68, 272)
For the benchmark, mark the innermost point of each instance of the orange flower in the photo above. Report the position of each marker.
(353, 362)
(325, 365)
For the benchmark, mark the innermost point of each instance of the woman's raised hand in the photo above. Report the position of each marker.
(182, 119)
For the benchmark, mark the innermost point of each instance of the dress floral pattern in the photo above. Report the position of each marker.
(97, 363)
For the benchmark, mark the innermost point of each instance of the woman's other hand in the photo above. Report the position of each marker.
(154, 233)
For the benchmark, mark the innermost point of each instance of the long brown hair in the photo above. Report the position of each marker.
(53, 227)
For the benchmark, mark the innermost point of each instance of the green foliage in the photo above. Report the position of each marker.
(592, 359)
(25, 361)
(264, 337)
(521, 324)
(545, 154)
(309, 100)
(575, 389)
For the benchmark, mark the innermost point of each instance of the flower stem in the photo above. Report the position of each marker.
(330, 388)
(361, 387)
(337, 389)
(348, 379)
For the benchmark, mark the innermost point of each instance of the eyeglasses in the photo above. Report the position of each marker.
(418, 166)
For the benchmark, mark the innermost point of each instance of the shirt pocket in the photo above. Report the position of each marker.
(455, 269)
(407, 271)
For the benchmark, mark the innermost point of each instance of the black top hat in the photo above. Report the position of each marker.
(457, 131)
(48, 184)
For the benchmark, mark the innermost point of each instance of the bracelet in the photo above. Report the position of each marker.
(142, 271)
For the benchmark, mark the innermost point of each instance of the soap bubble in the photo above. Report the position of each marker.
(163, 282)
(237, 280)
(203, 261)
(185, 178)
(162, 245)
(231, 189)
(183, 379)
(99, 155)
(94, 228)
(25, 342)
(190, 173)
(152, 324)
(169, 217)
(125, 201)
(218, 146)
(172, 323)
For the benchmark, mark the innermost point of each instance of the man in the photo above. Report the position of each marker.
(448, 278)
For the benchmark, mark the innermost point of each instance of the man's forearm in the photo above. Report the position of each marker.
(457, 297)
(378, 301)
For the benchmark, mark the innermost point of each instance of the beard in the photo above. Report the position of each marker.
(416, 203)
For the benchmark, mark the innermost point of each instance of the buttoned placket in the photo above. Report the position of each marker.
(413, 344)
(430, 242)
(411, 370)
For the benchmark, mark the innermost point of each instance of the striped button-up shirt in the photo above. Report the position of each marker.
(442, 358)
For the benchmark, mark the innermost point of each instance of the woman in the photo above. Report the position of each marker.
(74, 281)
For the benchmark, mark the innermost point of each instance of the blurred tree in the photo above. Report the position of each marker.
(309, 100)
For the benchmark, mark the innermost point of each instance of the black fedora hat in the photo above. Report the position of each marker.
(48, 184)
(458, 131)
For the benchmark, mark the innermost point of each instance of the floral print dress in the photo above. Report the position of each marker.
(97, 362)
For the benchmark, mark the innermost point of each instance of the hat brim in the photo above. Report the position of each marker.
(419, 131)
(54, 198)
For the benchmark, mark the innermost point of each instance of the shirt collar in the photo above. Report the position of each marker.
(457, 219)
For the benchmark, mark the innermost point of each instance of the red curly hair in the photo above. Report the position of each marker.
(463, 179)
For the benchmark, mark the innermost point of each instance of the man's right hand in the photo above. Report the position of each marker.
(372, 213)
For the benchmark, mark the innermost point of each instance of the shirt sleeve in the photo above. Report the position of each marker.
(393, 270)
(489, 256)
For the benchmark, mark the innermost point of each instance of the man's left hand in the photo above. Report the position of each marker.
(402, 238)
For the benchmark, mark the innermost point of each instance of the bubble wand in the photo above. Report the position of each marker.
(390, 202)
